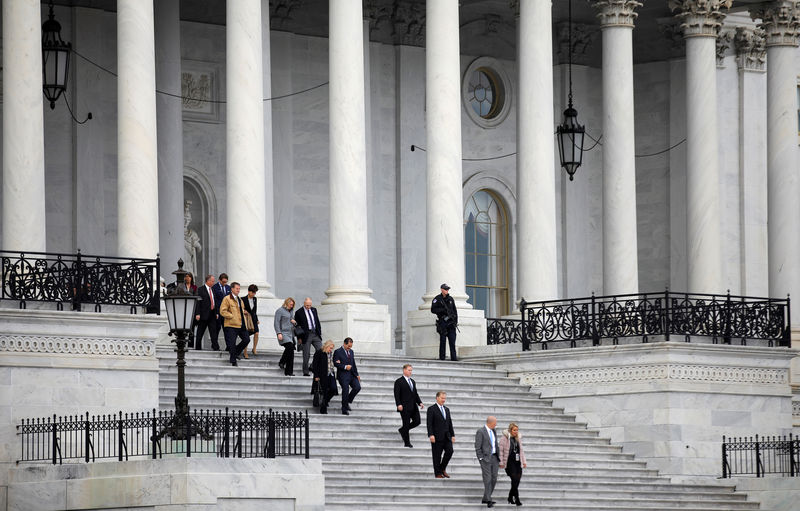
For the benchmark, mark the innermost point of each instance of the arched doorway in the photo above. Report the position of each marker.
(200, 203)
(486, 242)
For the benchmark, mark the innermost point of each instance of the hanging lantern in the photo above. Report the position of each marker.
(55, 60)
(570, 142)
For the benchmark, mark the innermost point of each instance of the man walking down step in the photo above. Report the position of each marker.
(441, 434)
(406, 399)
(309, 331)
(232, 312)
(487, 449)
(347, 373)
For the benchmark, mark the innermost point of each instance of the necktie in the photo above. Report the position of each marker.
(443, 414)
(491, 439)
(211, 295)
(310, 319)
(410, 384)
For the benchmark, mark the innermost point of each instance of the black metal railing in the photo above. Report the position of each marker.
(253, 434)
(722, 318)
(761, 456)
(80, 280)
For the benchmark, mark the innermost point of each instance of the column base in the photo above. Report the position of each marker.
(423, 341)
(369, 324)
(340, 295)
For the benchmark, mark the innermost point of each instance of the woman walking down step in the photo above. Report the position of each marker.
(324, 375)
(284, 328)
(512, 458)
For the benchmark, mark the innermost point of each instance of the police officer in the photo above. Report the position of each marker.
(446, 321)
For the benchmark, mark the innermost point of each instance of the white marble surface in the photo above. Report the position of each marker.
(620, 254)
(245, 236)
(171, 484)
(537, 271)
(773, 493)
(702, 168)
(423, 340)
(23, 128)
(783, 181)
(268, 201)
(137, 158)
(368, 324)
(349, 257)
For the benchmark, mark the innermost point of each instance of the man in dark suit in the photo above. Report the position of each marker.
(441, 434)
(221, 290)
(406, 399)
(206, 314)
(487, 449)
(347, 373)
(309, 332)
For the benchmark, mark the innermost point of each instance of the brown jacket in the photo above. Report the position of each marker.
(231, 312)
(504, 448)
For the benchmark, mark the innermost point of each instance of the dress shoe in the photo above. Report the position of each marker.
(324, 412)
(518, 502)
(439, 476)
(490, 504)
(281, 365)
(290, 374)
(306, 374)
(233, 363)
(407, 445)
(511, 500)
(445, 474)
(345, 412)
(348, 407)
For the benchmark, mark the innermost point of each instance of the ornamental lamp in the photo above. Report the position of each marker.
(180, 304)
(570, 141)
(55, 59)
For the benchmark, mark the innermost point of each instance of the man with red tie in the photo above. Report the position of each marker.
(406, 399)
(207, 315)
(441, 434)
(347, 374)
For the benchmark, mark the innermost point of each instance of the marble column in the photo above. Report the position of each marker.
(137, 158)
(620, 254)
(751, 56)
(23, 129)
(349, 264)
(349, 309)
(700, 21)
(537, 270)
(170, 136)
(445, 202)
(269, 183)
(781, 20)
(246, 239)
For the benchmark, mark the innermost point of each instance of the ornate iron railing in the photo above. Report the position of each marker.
(253, 434)
(759, 457)
(723, 318)
(80, 280)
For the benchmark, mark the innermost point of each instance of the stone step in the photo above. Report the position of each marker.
(355, 503)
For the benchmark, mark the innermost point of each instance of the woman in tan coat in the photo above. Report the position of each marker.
(512, 458)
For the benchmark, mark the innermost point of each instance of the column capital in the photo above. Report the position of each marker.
(408, 23)
(281, 12)
(582, 38)
(672, 31)
(751, 49)
(780, 20)
(616, 13)
(514, 6)
(700, 18)
(724, 39)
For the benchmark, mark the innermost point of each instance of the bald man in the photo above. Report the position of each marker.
(487, 449)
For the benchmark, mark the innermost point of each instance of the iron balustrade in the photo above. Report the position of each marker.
(760, 457)
(238, 434)
(80, 280)
(722, 318)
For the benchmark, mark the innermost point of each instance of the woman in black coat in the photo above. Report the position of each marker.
(324, 375)
(251, 306)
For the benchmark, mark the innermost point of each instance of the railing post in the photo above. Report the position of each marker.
(792, 453)
(157, 290)
(271, 435)
(55, 439)
(726, 334)
(667, 318)
(523, 305)
(188, 431)
(239, 435)
(724, 458)
(154, 434)
(787, 333)
(226, 431)
(119, 437)
(759, 466)
(308, 442)
(87, 438)
(595, 335)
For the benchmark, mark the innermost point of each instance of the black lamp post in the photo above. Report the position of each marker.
(570, 133)
(55, 59)
(180, 314)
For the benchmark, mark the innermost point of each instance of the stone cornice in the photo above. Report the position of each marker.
(700, 18)
(616, 13)
(77, 345)
(780, 20)
(751, 50)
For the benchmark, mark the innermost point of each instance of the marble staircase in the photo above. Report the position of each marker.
(366, 467)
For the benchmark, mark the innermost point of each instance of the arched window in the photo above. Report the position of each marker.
(486, 253)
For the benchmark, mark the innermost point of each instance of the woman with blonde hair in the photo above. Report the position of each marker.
(512, 458)
(324, 375)
(284, 328)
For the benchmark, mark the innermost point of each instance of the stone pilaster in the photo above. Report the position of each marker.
(620, 254)
(751, 49)
(700, 20)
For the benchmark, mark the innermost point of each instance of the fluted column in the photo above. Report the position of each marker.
(137, 158)
(445, 227)
(269, 184)
(349, 256)
(700, 21)
(620, 254)
(780, 20)
(246, 239)
(537, 272)
(170, 134)
(23, 129)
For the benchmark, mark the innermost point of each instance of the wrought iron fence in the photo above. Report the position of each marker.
(80, 280)
(722, 318)
(253, 434)
(759, 457)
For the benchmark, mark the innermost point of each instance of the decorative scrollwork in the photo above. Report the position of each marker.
(79, 279)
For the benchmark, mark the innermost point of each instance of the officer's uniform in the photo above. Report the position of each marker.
(447, 319)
